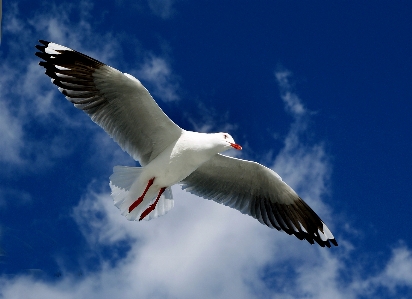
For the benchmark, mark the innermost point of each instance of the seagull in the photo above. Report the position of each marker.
(170, 155)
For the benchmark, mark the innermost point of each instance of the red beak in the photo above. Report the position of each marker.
(236, 146)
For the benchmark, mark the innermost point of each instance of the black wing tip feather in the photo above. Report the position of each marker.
(334, 242)
(67, 56)
(72, 72)
(43, 46)
(289, 218)
(316, 238)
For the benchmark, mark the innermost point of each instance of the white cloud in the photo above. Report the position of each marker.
(291, 100)
(397, 272)
(156, 71)
(200, 249)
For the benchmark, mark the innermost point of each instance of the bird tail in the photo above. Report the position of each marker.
(121, 182)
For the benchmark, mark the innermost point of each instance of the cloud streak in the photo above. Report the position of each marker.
(162, 8)
(301, 163)
(156, 71)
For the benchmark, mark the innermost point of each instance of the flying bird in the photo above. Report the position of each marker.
(170, 155)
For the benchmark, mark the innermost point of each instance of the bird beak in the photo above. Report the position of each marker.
(236, 146)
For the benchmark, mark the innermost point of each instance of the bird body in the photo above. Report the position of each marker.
(171, 166)
(124, 108)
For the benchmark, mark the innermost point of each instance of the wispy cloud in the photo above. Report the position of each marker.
(11, 136)
(157, 72)
(292, 102)
(162, 8)
(301, 163)
(398, 271)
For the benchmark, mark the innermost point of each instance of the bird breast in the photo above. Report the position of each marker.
(177, 161)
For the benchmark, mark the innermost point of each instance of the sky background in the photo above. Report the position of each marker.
(318, 91)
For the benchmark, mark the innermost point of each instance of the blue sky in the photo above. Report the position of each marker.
(320, 92)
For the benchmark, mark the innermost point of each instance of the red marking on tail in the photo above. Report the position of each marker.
(140, 199)
(152, 206)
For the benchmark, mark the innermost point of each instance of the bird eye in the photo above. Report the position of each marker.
(225, 135)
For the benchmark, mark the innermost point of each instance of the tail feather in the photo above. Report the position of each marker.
(121, 182)
(124, 176)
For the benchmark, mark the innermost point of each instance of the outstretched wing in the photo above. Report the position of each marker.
(117, 102)
(259, 192)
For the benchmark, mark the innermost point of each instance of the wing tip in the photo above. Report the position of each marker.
(334, 242)
(44, 42)
(299, 220)
(323, 240)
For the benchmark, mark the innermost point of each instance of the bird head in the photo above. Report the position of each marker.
(228, 141)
